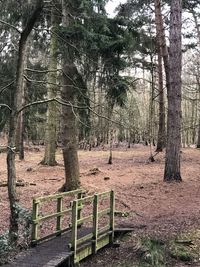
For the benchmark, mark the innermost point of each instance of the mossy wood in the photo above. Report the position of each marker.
(99, 237)
(94, 239)
(37, 219)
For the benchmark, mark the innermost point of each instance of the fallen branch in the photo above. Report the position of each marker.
(18, 184)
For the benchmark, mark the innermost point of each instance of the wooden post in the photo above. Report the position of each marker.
(34, 218)
(80, 205)
(74, 228)
(112, 215)
(95, 223)
(59, 218)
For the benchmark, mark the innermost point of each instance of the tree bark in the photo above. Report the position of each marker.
(198, 140)
(52, 114)
(69, 130)
(162, 53)
(69, 127)
(20, 124)
(11, 170)
(161, 130)
(198, 82)
(172, 162)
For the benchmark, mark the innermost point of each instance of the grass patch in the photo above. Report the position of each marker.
(180, 252)
(152, 253)
(186, 247)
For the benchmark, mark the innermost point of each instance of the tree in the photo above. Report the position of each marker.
(172, 162)
(52, 113)
(13, 120)
(162, 54)
(197, 26)
(198, 140)
(20, 125)
(68, 124)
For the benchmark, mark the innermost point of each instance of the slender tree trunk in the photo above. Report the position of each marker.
(161, 45)
(111, 147)
(151, 108)
(69, 127)
(197, 77)
(193, 120)
(198, 140)
(161, 129)
(52, 112)
(14, 121)
(20, 126)
(172, 162)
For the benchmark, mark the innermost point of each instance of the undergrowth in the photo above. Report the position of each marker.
(7, 250)
(152, 252)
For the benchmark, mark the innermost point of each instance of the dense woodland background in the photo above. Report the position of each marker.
(74, 77)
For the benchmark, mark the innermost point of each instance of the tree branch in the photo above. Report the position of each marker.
(69, 104)
(60, 101)
(5, 87)
(42, 71)
(5, 105)
(10, 25)
(25, 33)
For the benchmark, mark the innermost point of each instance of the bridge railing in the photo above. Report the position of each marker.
(37, 218)
(98, 237)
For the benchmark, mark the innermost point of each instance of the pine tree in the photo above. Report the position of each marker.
(172, 162)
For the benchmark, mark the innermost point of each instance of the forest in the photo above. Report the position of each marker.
(98, 100)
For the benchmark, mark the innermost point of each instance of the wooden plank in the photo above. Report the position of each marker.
(50, 236)
(83, 239)
(59, 217)
(35, 223)
(84, 252)
(85, 219)
(80, 205)
(56, 196)
(104, 194)
(74, 227)
(104, 229)
(102, 242)
(112, 215)
(50, 216)
(102, 235)
(95, 222)
(104, 212)
(86, 249)
(85, 199)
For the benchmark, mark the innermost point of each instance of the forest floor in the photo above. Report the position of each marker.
(161, 213)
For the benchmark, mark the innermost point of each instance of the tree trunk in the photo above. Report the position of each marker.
(162, 40)
(172, 162)
(20, 126)
(111, 146)
(198, 140)
(151, 108)
(161, 45)
(161, 129)
(69, 130)
(52, 114)
(13, 231)
(197, 77)
(69, 127)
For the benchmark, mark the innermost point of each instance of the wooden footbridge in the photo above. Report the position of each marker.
(90, 227)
